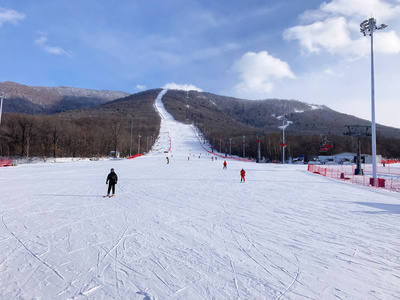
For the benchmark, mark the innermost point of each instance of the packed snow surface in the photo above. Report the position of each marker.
(190, 230)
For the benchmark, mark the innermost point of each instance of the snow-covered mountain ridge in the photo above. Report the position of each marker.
(45, 100)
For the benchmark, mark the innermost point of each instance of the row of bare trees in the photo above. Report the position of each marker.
(52, 136)
(297, 145)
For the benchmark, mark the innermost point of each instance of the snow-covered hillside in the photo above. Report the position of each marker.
(190, 230)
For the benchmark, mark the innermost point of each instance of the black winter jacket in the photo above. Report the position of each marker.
(112, 178)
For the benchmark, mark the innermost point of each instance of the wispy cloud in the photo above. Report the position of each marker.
(10, 16)
(42, 41)
(257, 73)
(140, 87)
(184, 87)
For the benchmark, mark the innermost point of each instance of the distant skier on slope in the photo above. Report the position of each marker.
(242, 174)
(112, 179)
(225, 165)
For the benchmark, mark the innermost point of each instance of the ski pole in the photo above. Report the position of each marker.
(119, 187)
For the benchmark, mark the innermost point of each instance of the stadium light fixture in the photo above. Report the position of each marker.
(367, 27)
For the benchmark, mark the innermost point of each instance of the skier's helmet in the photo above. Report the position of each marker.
(112, 169)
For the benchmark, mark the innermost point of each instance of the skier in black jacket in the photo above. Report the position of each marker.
(112, 179)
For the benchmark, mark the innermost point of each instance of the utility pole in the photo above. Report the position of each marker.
(130, 145)
(367, 27)
(138, 150)
(1, 105)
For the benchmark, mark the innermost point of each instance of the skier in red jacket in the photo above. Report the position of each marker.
(242, 174)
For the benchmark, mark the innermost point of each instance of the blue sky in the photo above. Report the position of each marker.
(310, 50)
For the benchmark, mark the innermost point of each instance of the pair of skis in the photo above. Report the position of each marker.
(109, 196)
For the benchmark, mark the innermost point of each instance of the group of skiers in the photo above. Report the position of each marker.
(112, 178)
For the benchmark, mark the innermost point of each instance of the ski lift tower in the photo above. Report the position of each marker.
(259, 140)
(282, 143)
(358, 131)
(367, 27)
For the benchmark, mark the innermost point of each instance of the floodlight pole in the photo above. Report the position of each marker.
(368, 27)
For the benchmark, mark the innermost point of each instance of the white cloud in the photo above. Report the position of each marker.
(258, 72)
(332, 72)
(331, 35)
(184, 87)
(334, 28)
(42, 41)
(10, 16)
(362, 8)
(57, 50)
(140, 87)
(387, 42)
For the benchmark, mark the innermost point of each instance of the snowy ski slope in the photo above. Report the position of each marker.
(191, 230)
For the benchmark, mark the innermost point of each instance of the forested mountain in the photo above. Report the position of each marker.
(48, 100)
(224, 120)
(267, 114)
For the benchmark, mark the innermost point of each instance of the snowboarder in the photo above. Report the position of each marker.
(242, 174)
(112, 179)
(167, 160)
(225, 165)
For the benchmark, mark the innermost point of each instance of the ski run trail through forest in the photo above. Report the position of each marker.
(189, 229)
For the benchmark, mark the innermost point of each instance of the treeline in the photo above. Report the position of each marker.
(296, 145)
(23, 135)
(100, 130)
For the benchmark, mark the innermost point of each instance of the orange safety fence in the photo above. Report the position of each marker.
(391, 161)
(346, 173)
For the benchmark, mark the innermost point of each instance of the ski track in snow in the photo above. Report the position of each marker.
(191, 230)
